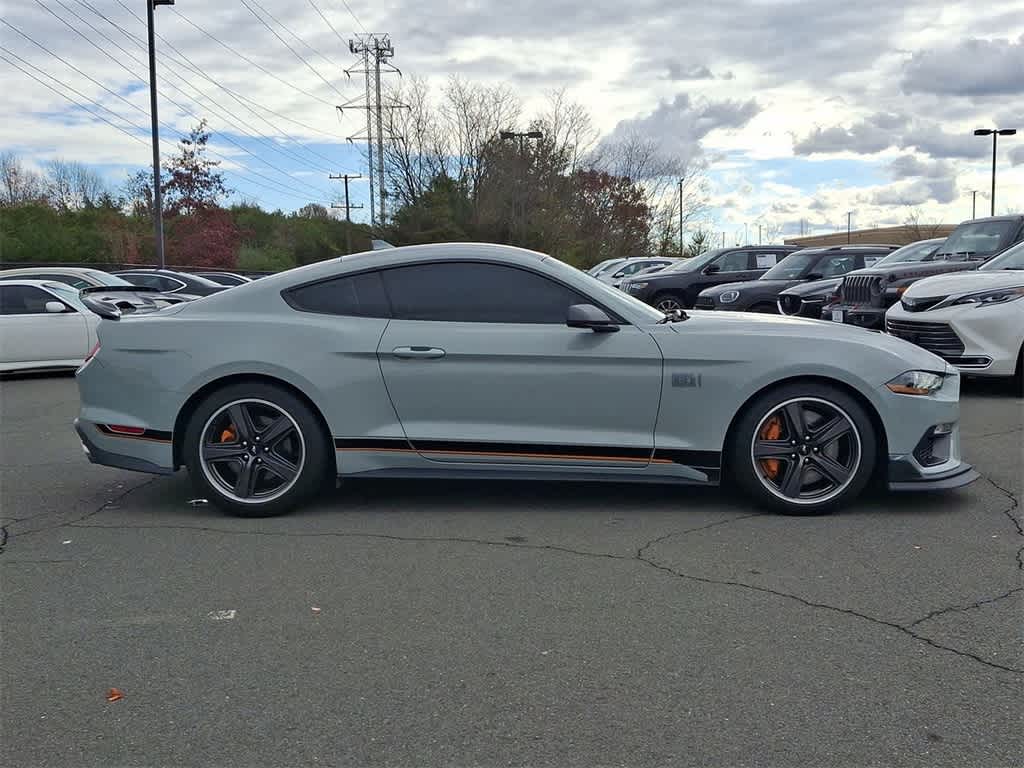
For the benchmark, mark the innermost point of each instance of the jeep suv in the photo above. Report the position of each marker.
(864, 296)
(677, 287)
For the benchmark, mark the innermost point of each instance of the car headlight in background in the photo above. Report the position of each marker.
(728, 297)
(986, 298)
(916, 383)
(636, 286)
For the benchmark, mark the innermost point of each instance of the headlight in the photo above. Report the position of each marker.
(728, 297)
(636, 286)
(987, 298)
(916, 383)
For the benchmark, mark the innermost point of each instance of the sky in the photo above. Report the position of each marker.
(802, 111)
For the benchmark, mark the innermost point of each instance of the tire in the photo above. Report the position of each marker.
(670, 301)
(766, 428)
(241, 437)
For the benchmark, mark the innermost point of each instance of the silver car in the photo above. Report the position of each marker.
(486, 361)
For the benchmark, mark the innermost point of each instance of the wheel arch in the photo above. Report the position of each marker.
(190, 405)
(881, 459)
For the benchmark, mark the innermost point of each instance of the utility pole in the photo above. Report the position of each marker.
(348, 207)
(680, 218)
(375, 51)
(758, 234)
(995, 133)
(723, 239)
(158, 203)
(746, 235)
(849, 225)
(974, 203)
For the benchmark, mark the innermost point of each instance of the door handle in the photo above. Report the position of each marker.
(421, 353)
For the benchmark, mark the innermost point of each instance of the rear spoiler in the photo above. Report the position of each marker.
(106, 309)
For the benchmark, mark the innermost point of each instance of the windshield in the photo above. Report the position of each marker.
(975, 239)
(600, 290)
(695, 262)
(1011, 259)
(599, 269)
(66, 294)
(793, 266)
(105, 278)
(922, 251)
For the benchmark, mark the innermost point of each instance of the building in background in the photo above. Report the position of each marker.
(901, 235)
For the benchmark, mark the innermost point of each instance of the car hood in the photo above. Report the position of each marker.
(965, 282)
(917, 269)
(814, 287)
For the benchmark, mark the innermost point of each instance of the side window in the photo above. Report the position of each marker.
(23, 300)
(737, 261)
(765, 260)
(358, 295)
(167, 284)
(75, 282)
(140, 278)
(469, 292)
(870, 261)
(629, 269)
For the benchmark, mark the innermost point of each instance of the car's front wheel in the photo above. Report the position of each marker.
(803, 449)
(255, 450)
(669, 302)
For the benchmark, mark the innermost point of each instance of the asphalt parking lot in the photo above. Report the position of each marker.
(400, 623)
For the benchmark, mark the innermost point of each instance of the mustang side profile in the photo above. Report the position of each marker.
(485, 361)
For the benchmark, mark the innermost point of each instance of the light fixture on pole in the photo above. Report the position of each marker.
(158, 207)
(995, 133)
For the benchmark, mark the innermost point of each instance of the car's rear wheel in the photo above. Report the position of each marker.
(255, 450)
(668, 302)
(803, 449)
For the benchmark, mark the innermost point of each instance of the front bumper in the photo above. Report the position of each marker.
(904, 475)
(872, 318)
(98, 454)
(982, 341)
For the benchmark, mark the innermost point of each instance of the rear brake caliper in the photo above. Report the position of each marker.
(772, 430)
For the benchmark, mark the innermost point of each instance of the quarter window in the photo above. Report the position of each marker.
(358, 295)
(469, 292)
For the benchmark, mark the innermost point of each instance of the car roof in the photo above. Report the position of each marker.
(49, 270)
(37, 284)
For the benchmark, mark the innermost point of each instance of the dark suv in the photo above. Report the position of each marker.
(677, 287)
(864, 296)
(810, 264)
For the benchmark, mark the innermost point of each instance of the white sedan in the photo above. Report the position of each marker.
(43, 325)
(975, 320)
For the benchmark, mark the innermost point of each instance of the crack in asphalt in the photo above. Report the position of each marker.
(3, 538)
(1014, 503)
(962, 608)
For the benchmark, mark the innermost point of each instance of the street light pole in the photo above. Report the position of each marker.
(995, 133)
(158, 207)
(680, 218)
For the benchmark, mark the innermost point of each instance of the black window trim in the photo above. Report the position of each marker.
(285, 293)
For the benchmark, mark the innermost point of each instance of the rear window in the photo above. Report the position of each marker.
(976, 239)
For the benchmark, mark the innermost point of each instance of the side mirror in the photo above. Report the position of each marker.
(55, 307)
(589, 316)
(710, 269)
(814, 276)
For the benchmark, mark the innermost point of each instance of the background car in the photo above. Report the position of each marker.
(863, 298)
(425, 361)
(228, 279)
(122, 293)
(169, 281)
(811, 264)
(631, 267)
(601, 266)
(677, 286)
(974, 320)
(43, 326)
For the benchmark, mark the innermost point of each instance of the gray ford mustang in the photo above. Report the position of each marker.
(485, 361)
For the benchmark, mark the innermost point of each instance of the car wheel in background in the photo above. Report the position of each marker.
(803, 449)
(668, 302)
(255, 450)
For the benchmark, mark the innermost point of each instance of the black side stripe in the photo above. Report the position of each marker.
(698, 459)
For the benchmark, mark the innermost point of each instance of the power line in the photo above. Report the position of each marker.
(180, 106)
(286, 45)
(246, 59)
(281, 24)
(353, 15)
(328, 22)
(278, 188)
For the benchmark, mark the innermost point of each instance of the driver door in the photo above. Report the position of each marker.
(481, 368)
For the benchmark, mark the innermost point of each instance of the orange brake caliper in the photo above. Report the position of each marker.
(772, 430)
(228, 435)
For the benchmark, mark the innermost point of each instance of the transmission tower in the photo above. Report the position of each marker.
(375, 51)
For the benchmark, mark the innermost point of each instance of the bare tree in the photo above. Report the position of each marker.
(72, 185)
(569, 126)
(18, 184)
(919, 228)
(420, 148)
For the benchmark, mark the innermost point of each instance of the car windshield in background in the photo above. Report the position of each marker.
(105, 278)
(909, 253)
(976, 240)
(1012, 259)
(792, 266)
(691, 264)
